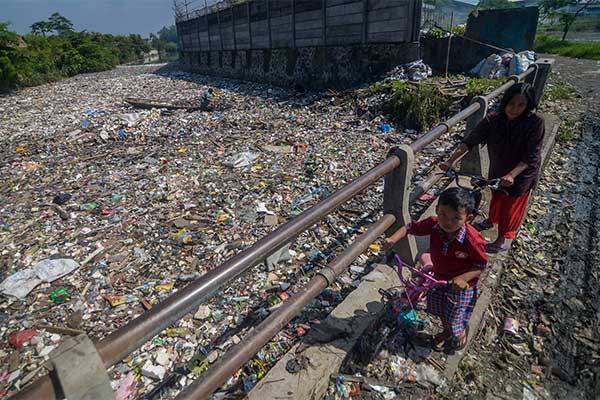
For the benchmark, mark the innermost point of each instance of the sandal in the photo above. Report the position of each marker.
(493, 248)
(483, 225)
(440, 341)
(460, 343)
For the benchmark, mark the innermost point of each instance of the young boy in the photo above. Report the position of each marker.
(206, 98)
(458, 256)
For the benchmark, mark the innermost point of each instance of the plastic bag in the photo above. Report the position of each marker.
(21, 283)
(241, 160)
(491, 66)
(477, 69)
(521, 62)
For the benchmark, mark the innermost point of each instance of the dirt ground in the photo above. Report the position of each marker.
(551, 288)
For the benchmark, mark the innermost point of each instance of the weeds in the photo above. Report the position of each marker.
(548, 44)
(567, 130)
(417, 105)
(560, 91)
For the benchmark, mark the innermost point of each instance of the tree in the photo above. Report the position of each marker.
(8, 38)
(41, 28)
(559, 9)
(60, 24)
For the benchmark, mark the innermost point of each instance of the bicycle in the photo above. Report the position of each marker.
(478, 182)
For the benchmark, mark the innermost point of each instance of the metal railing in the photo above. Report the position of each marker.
(397, 169)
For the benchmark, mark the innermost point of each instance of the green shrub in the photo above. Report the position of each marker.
(418, 105)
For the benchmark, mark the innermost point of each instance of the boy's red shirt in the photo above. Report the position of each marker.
(453, 256)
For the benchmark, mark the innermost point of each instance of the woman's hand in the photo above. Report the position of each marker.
(388, 244)
(507, 180)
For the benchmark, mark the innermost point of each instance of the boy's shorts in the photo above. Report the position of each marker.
(453, 305)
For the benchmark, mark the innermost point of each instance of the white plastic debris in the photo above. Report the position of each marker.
(21, 283)
(241, 160)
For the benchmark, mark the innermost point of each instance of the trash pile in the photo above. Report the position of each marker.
(414, 71)
(499, 66)
(106, 210)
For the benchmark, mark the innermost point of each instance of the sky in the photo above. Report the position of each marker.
(106, 16)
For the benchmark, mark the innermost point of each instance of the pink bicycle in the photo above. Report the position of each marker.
(416, 286)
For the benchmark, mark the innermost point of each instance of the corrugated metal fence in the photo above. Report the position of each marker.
(298, 23)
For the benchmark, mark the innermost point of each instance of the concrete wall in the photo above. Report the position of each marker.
(310, 67)
(315, 43)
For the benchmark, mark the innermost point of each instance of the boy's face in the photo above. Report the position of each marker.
(451, 220)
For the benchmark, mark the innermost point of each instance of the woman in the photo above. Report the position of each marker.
(514, 137)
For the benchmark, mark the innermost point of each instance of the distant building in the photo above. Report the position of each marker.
(151, 56)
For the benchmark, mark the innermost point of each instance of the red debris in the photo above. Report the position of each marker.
(17, 339)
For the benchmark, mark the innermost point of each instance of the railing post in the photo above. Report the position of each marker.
(476, 161)
(544, 67)
(396, 200)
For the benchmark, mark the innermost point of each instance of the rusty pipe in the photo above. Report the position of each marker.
(443, 127)
(238, 355)
(132, 335)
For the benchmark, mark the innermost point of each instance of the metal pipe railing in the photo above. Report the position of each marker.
(129, 337)
(238, 355)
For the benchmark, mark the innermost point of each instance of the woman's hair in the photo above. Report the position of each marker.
(520, 88)
(458, 198)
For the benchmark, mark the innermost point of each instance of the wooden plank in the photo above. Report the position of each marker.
(388, 37)
(308, 34)
(315, 24)
(345, 20)
(280, 43)
(342, 30)
(392, 25)
(309, 42)
(345, 9)
(331, 3)
(308, 6)
(287, 20)
(344, 40)
(385, 14)
(308, 15)
(377, 4)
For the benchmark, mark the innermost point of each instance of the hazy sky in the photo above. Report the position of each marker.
(106, 16)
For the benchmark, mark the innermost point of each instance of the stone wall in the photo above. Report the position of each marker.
(309, 67)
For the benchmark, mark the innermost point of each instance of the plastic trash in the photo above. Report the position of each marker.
(385, 127)
(52, 269)
(520, 62)
(241, 160)
(477, 68)
(491, 66)
(18, 339)
(126, 387)
(417, 70)
(21, 283)
(60, 296)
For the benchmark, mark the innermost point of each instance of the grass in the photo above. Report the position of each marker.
(552, 45)
(567, 130)
(560, 91)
